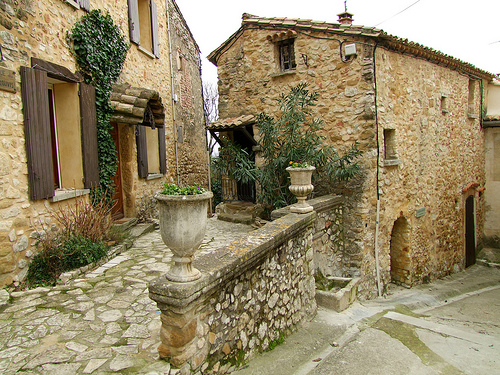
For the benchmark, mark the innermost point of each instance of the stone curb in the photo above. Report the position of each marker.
(486, 263)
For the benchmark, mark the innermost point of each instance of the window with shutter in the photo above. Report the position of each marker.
(151, 151)
(142, 151)
(84, 4)
(60, 130)
(143, 26)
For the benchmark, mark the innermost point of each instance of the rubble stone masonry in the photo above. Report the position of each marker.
(431, 117)
(38, 29)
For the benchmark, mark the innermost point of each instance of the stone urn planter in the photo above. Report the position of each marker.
(183, 221)
(301, 187)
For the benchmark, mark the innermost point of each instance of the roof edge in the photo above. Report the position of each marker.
(380, 37)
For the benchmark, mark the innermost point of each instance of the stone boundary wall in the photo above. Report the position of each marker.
(252, 293)
(331, 255)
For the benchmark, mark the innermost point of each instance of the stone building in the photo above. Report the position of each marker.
(491, 124)
(414, 111)
(158, 124)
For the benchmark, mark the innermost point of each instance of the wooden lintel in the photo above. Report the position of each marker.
(216, 137)
(249, 136)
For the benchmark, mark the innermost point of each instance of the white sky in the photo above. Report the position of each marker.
(465, 29)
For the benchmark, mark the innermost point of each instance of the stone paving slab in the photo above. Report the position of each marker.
(102, 323)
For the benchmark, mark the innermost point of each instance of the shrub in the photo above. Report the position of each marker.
(88, 219)
(60, 254)
(293, 135)
(84, 225)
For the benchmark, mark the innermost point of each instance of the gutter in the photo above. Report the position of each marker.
(172, 96)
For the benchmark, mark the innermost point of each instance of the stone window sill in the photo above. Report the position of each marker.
(472, 116)
(146, 52)
(64, 194)
(280, 74)
(391, 162)
(73, 3)
(154, 176)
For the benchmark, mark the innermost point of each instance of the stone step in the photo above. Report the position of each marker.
(236, 218)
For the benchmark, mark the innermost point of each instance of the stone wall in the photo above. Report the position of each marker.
(438, 152)
(189, 120)
(330, 255)
(38, 29)
(492, 146)
(252, 292)
(440, 144)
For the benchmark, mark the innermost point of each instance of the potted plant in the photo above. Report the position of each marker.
(300, 185)
(183, 221)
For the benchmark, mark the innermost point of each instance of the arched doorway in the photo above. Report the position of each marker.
(470, 232)
(400, 252)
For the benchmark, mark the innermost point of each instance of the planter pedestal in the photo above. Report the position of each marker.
(301, 187)
(183, 221)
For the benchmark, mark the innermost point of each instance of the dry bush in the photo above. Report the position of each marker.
(86, 218)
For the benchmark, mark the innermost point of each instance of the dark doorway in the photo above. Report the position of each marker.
(470, 232)
(400, 252)
(117, 210)
(246, 191)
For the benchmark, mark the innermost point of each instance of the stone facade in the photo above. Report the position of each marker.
(252, 293)
(189, 120)
(415, 113)
(37, 29)
(492, 131)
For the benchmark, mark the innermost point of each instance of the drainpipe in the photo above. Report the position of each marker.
(377, 265)
(172, 94)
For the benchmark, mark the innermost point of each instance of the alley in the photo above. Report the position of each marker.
(101, 323)
(451, 326)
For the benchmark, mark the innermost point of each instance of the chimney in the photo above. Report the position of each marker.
(345, 18)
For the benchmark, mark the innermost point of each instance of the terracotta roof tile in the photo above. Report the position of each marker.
(380, 36)
(232, 122)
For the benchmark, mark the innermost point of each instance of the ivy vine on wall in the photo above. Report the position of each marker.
(100, 50)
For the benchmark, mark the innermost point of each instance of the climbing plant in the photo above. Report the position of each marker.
(100, 50)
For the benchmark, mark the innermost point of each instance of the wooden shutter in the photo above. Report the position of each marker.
(133, 21)
(89, 135)
(84, 4)
(37, 133)
(154, 29)
(142, 151)
(163, 150)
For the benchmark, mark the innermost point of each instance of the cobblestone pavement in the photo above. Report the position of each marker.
(102, 323)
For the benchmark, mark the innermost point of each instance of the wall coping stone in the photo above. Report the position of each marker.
(228, 262)
(319, 204)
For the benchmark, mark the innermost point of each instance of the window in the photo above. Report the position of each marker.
(287, 55)
(471, 108)
(390, 153)
(151, 148)
(143, 25)
(60, 129)
(444, 104)
(84, 4)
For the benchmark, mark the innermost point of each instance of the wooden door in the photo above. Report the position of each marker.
(470, 232)
(117, 210)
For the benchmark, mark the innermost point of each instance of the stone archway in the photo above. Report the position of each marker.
(400, 252)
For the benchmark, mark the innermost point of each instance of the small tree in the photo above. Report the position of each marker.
(292, 136)
(210, 107)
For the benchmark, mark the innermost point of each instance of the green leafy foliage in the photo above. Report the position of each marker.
(60, 254)
(100, 50)
(78, 241)
(173, 189)
(293, 136)
(216, 179)
(298, 164)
